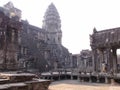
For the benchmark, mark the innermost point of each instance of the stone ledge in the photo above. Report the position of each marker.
(21, 77)
(35, 85)
(22, 81)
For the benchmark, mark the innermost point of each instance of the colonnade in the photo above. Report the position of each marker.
(105, 60)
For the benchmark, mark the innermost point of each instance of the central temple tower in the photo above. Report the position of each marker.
(52, 25)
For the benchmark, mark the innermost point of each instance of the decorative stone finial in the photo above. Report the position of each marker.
(94, 30)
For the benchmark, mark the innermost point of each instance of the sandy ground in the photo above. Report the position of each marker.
(76, 85)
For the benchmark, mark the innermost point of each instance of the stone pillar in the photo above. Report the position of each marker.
(102, 68)
(81, 79)
(114, 61)
(71, 75)
(48, 77)
(94, 60)
(65, 74)
(106, 80)
(98, 79)
(90, 80)
(109, 60)
(78, 78)
(59, 75)
(51, 78)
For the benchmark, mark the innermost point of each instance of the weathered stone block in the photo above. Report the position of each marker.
(22, 81)
(38, 85)
(22, 77)
(18, 86)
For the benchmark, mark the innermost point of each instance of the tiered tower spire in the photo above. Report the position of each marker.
(52, 24)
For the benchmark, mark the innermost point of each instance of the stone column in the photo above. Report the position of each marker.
(59, 75)
(114, 61)
(94, 60)
(65, 74)
(90, 80)
(78, 77)
(51, 77)
(71, 75)
(98, 79)
(82, 79)
(101, 60)
(106, 80)
(109, 60)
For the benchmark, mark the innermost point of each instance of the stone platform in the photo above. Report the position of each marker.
(22, 81)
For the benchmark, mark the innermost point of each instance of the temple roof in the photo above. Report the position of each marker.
(51, 16)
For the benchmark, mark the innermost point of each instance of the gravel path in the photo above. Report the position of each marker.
(76, 85)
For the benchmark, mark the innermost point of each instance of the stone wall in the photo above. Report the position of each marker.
(9, 29)
(22, 81)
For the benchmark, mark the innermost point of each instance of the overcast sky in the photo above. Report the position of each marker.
(78, 17)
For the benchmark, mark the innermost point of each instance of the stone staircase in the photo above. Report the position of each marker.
(22, 81)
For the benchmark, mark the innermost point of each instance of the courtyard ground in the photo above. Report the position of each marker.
(76, 85)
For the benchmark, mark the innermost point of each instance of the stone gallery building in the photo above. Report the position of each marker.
(38, 49)
(104, 46)
(83, 61)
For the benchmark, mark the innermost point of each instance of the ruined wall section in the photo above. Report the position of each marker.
(32, 47)
(9, 29)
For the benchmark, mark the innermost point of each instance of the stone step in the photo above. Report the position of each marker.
(14, 86)
(3, 81)
(22, 81)
(21, 77)
(38, 84)
(35, 85)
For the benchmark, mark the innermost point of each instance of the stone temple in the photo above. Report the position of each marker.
(29, 47)
(11, 35)
(41, 48)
